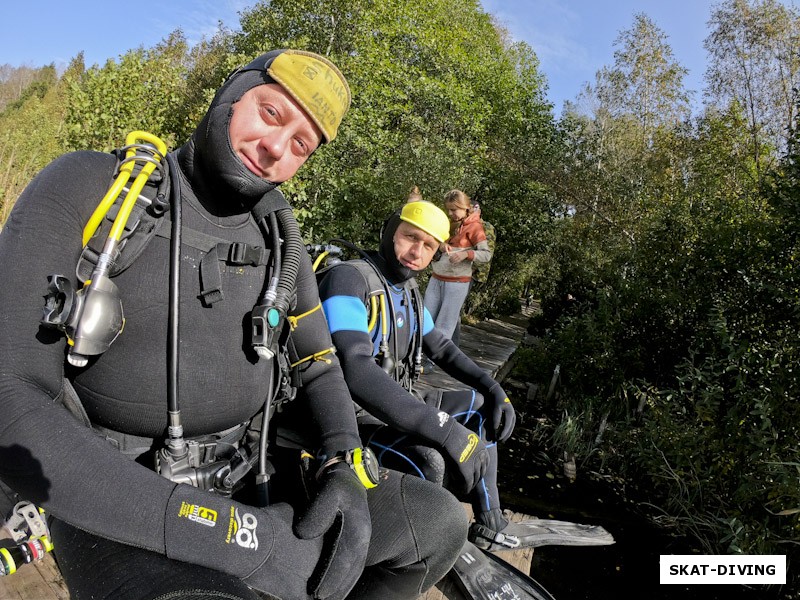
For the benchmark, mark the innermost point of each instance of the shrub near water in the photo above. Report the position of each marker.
(689, 344)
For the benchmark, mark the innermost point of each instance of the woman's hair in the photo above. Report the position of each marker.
(459, 199)
(414, 195)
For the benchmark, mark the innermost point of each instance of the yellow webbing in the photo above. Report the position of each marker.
(317, 355)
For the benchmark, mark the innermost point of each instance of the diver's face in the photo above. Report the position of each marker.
(413, 247)
(271, 134)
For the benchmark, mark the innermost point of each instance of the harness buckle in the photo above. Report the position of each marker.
(244, 254)
(237, 253)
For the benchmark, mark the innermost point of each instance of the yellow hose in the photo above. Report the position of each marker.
(319, 260)
(373, 313)
(115, 190)
(384, 328)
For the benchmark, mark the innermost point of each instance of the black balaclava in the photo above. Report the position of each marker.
(209, 159)
(391, 267)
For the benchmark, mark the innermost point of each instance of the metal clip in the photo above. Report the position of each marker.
(26, 522)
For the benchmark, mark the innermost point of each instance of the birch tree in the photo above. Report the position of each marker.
(754, 65)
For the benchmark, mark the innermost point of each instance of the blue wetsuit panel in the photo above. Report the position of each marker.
(345, 313)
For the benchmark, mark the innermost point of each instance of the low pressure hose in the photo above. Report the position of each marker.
(175, 443)
(268, 315)
(277, 298)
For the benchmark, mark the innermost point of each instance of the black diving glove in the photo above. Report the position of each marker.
(469, 453)
(254, 544)
(339, 516)
(502, 413)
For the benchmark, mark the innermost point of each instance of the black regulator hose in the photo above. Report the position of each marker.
(175, 428)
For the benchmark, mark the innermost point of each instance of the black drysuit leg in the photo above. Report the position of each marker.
(416, 548)
(99, 569)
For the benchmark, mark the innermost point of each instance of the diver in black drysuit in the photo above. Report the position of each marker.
(401, 426)
(119, 529)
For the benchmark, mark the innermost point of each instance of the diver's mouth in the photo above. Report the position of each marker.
(252, 166)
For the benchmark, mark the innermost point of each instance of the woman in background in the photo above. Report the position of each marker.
(452, 271)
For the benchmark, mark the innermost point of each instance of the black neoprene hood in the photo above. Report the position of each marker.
(213, 152)
(397, 273)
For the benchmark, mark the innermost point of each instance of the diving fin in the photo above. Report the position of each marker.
(533, 533)
(482, 576)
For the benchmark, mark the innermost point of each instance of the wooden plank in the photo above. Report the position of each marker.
(48, 569)
(446, 589)
(40, 581)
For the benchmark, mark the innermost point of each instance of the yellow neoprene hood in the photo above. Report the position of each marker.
(428, 217)
(316, 84)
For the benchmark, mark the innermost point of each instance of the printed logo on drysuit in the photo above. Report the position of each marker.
(472, 443)
(242, 529)
(400, 321)
(198, 514)
(443, 417)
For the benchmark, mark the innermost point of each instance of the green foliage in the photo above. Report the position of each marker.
(753, 64)
(140, 92)
(31, 126)
(687, 339)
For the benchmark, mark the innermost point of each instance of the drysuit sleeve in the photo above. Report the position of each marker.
(47, 455)
(345, 299)
(312, 352)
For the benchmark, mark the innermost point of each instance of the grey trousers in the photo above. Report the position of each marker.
(444, 300)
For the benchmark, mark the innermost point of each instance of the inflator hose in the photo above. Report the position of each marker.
(292, 255)
(286, 267)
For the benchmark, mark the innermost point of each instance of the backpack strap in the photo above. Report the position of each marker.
(372, 279)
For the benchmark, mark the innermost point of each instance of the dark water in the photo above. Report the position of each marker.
(627, 569)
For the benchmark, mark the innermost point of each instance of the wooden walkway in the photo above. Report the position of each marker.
(490, 344)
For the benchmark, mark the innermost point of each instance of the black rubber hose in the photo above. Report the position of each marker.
(292, 256)
(174, 288)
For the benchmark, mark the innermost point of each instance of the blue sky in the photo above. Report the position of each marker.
(572, 38)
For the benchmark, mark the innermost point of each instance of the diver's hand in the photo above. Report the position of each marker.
(339, 516)
(257, 545)
(503, 415)
(469, 454)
